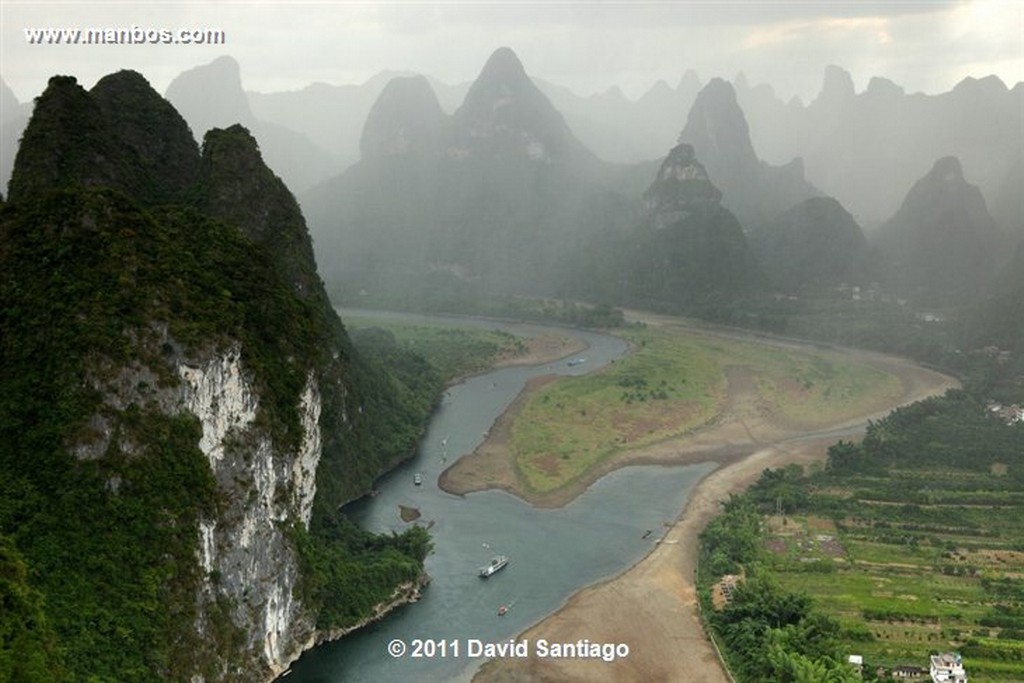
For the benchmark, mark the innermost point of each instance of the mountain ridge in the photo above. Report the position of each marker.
(181, 408)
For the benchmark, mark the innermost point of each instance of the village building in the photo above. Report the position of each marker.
(908, 672)
(947, 667)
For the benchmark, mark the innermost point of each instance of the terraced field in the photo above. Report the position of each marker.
(907, 578)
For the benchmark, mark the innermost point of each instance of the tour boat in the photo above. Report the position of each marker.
(497, 562)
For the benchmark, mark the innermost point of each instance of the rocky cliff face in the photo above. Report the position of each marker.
(175, 380)
(245, 546)
(681, 185)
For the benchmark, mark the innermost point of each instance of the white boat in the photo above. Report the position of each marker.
(497, 562)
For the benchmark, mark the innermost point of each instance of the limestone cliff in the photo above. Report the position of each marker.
(681, 185)
(181, 410)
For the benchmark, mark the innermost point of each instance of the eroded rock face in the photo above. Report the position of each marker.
(200, 383)
(681, 185)
(249, 566)
(248, 559)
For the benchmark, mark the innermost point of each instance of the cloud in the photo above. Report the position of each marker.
(587, 46)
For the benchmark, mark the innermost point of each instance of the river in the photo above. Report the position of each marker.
(552, 552)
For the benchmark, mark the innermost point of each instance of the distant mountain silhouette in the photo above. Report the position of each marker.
(495, 194)
(752, 189)
(620, 130)
(688, 251)
(211, 96)
(506, 115)
(814, 245)
(13, 119)
(331, 116)
(942, 245)
(865, 148)
(406, 120)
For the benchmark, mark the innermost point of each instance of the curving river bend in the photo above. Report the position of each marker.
(552, 552)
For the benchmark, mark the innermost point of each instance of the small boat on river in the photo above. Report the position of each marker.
(498, 562)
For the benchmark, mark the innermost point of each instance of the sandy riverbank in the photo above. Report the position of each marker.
(652, 607)
(544, 348)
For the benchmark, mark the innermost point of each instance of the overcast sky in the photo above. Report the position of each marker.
(586, 46)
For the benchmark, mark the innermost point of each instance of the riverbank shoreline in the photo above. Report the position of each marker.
(652, 606)
(741, 427)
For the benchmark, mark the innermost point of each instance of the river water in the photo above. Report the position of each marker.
(552, 552)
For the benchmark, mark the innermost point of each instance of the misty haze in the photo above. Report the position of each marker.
(558, 342)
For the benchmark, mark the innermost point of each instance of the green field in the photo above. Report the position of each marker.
(917, 579)
(913, 541)
(674, 383)
(668, 385)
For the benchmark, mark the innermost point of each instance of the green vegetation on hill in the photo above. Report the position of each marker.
(350, 572)
(124, 252)
(27, 641)
(110, 542)
(910, 541)
(100, 552)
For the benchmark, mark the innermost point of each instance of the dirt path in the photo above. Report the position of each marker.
(652, 607)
